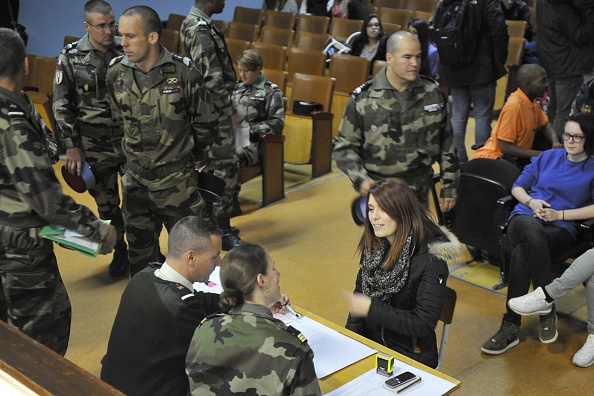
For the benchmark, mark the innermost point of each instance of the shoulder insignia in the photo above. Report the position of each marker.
(70, 46)
(297, 334)
(272, 85)
(361, 88)
(202, 23)
(183, 292)
(115, 60)
(423, 77)
(184, 59)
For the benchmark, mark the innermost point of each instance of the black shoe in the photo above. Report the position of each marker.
(230, 241)
(119, 263)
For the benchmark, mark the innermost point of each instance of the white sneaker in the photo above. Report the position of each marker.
(585, 356)
(534, 303)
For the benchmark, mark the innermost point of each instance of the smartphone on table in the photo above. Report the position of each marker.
(401, 382)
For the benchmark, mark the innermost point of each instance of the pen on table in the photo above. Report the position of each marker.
(291, 310)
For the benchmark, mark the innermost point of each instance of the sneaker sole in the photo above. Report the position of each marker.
(511, 345)
(551, 340)
(527, 313)
(584, 365)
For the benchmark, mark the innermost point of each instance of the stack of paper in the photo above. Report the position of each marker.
(71, 240)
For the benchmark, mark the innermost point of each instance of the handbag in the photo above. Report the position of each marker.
(20, 29)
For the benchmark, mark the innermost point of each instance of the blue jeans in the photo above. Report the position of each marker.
(482, 98)
(562, 92)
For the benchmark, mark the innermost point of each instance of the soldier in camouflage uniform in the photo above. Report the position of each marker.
(247, 350)
(259, 105)
(202, 42)
(32, 295)
(168, 122)
(83, 116)
(396, 125)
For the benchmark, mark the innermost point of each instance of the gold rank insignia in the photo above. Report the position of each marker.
(86, 88)
(172, 80)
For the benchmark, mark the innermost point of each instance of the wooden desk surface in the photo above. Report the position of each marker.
(334, 381)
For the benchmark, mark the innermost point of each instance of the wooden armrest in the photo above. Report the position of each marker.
(322, 115)
(271, 138)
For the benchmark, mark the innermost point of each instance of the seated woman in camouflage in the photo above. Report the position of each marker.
(247, 348)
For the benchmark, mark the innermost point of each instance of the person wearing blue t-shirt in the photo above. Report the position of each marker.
(552, 193)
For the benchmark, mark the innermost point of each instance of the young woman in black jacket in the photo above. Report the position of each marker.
(401, 283)
(371, 43)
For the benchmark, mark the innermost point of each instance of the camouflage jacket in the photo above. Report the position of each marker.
(263, 102)
(80, 90)
(30, 194)
(166, 120)
(202, 42)
(249, 349)
(386, 133)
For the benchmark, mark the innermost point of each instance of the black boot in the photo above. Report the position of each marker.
(230, 239)
(208, 212)
(119, 263)
(236, 207)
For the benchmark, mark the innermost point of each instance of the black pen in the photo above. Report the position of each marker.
(291, 310)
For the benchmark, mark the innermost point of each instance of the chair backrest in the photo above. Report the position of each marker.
(220, 24)
(341, 28)
(276, 35)
(279, 77)
(392, 15)
(241, 31)
(477, 217)
(516, 28)
(446, 316)
(305, 60)
(312, 88)
(424, 15)
(377, 66)
(252, 16)
(273, 56)
(391, 28)
(402, 4)
(316, 41)
(280, 19)
(70, 39)
(421, 5)
(312, 23)
(175, 21)
(349, 72)
(236, 47)
(47, 76)
(170, 40)
(515, 51)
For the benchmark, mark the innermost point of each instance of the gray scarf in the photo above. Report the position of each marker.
(381, 284)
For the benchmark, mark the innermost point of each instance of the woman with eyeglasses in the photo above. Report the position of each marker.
(371, 43)
(553, 191)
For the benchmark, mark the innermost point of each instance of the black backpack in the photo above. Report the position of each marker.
(454, 32)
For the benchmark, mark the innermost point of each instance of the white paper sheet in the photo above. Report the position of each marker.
(213, 285)
(372, 383)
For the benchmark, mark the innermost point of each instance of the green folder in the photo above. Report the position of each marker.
(78, 243)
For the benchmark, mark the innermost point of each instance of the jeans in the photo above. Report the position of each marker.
(580, 271)
(562, 93)
(482, 98)
(534, 244)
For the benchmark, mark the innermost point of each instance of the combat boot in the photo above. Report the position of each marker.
(119, 262)
(230, 238)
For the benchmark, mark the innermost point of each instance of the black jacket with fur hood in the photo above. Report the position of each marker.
(407, 323)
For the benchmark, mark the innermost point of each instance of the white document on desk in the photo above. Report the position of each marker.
(213, 285)
(332, 350)
(372, 383)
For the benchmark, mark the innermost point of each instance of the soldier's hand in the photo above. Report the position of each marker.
(280, 306)
(364, 187)
(109, 241)
(74, 159)
(447, 204)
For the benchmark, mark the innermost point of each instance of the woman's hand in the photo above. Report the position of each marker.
(538, 207)
(358, 304)
(280, 306)
(550, 215)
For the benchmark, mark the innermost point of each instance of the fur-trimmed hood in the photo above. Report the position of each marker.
(446, 247)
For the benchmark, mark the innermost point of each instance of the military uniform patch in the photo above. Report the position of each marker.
(59, 72)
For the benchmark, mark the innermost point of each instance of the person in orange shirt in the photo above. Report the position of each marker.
(513, 136)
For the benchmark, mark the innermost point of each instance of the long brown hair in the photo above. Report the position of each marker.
(396, 198)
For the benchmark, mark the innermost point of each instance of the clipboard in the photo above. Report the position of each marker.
(71, 240)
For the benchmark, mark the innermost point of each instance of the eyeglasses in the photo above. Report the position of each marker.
(576, 138)
(104, 26)
(372, 25)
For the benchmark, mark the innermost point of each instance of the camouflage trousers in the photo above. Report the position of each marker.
(222, 162)
(145, 211)
(247, 155)
(106, 157)
(33, 298)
